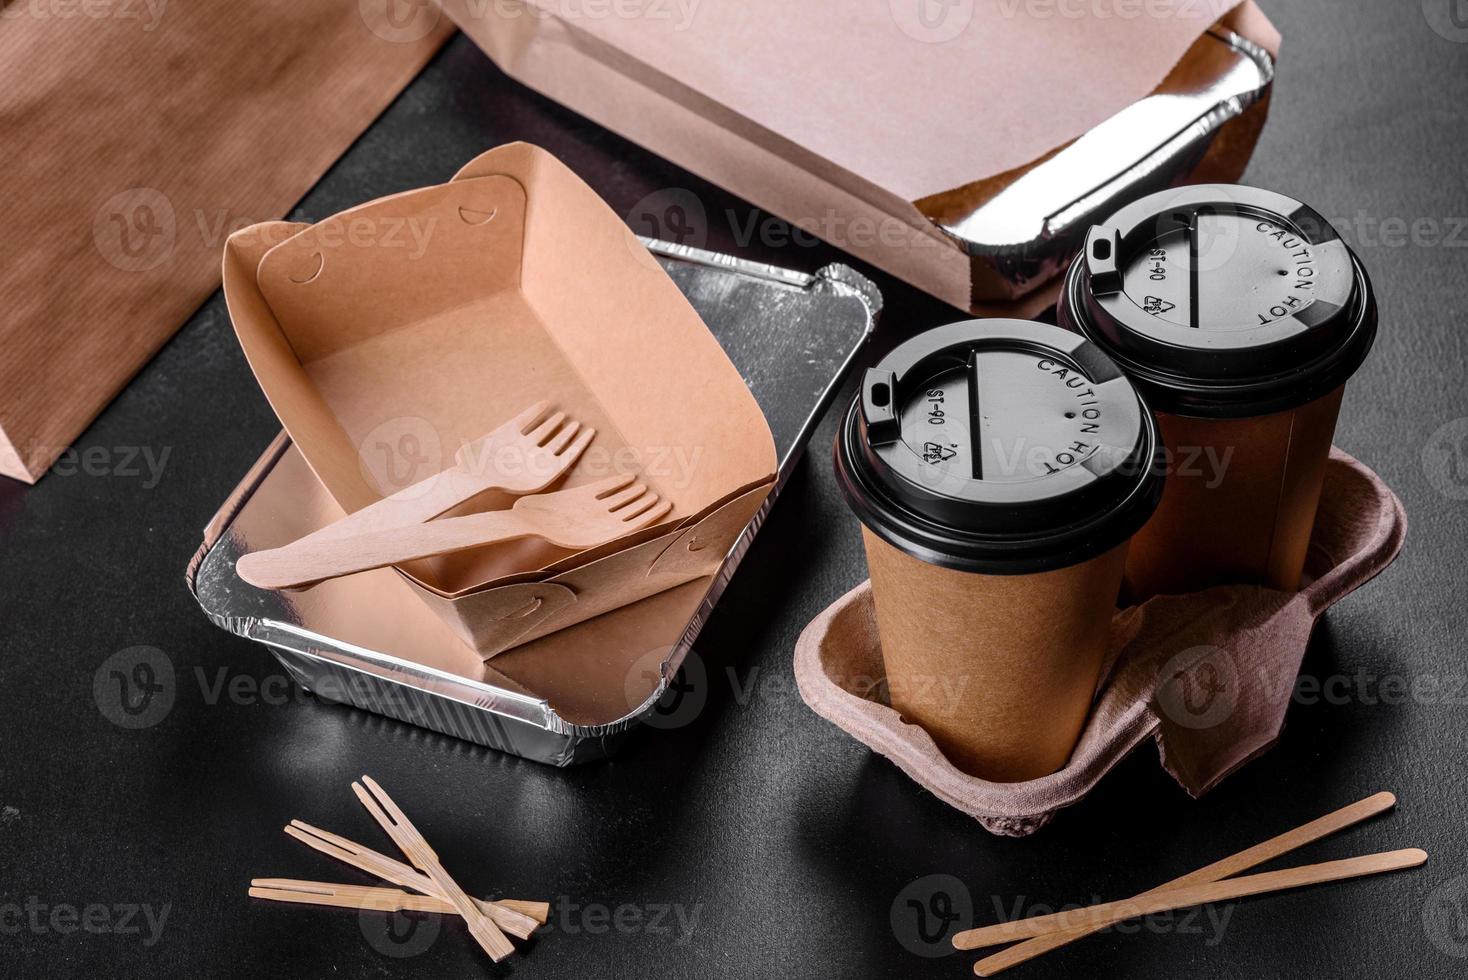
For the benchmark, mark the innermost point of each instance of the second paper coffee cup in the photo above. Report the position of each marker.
(1240, 315)
(999, 469)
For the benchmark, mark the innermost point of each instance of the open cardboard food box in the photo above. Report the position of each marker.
(576, 695)
(390, 335)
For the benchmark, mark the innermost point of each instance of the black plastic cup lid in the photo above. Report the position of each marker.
(1223, 301)
(999, 446)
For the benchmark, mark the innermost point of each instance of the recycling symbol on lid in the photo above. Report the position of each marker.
(934, 453)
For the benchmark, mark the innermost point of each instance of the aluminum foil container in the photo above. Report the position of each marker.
(365, 640)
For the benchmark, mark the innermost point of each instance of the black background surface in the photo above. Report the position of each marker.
(790, 841)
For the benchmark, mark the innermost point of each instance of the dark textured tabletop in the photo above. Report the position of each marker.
(756, 840)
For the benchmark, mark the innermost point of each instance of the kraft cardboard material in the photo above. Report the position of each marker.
(390, 335)
(775, 117)
(137, 137)
(1209, 676)
(1239, 504)
(499, 617)
(999, 670)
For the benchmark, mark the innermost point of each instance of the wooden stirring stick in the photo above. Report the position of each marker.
(1228, 867)
(412, 844)
(519, 919)
(1110, 913)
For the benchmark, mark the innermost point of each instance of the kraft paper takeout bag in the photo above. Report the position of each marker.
(863, 121)
(137, 136)
(390, 335)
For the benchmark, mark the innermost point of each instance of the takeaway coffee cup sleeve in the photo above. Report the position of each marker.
(1208, 676)
(1240, 314)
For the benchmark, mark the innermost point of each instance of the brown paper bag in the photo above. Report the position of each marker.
(138, 135)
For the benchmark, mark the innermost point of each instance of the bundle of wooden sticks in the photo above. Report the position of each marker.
(436, 891)
(1215, 883)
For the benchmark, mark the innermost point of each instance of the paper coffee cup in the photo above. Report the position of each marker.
(1240, 315)
(999, 468)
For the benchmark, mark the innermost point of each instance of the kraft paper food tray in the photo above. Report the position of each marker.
(573, 696)
(391, 334)
(839, 116)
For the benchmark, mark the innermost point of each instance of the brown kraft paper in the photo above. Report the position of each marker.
(1239, 504)
(138, 135)
(999, 670)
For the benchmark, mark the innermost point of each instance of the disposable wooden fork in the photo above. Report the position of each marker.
(517, 918)
(370, 897)
(578, 518)
(346, 896)
(525, 455)
(412, 844)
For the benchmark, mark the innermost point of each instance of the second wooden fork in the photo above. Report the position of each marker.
(579, 518)
(524, 455)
